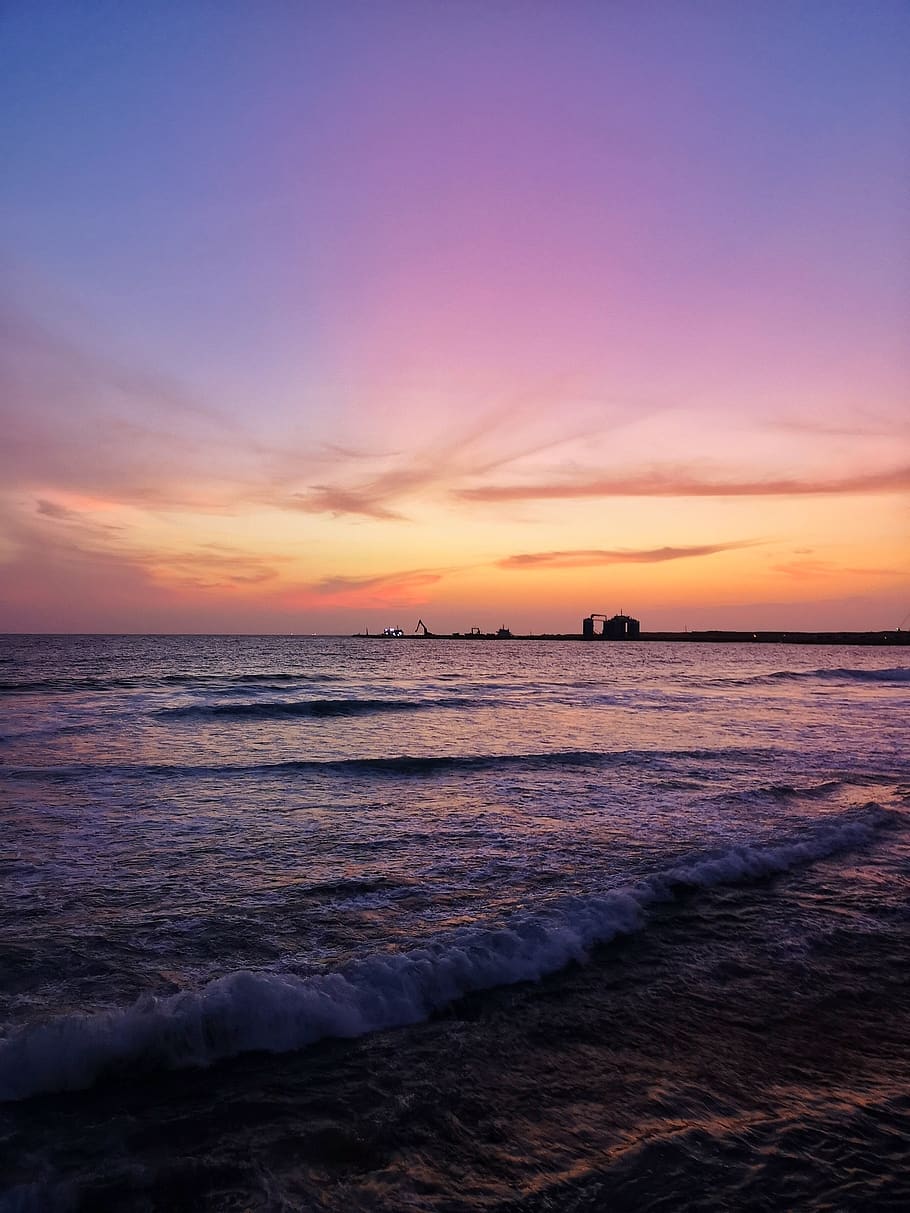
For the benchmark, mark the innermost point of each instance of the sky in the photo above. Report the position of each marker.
(324, 316)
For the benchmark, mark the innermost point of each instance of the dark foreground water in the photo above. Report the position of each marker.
(290, 923)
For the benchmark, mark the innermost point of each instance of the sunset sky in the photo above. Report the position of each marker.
(318, 316)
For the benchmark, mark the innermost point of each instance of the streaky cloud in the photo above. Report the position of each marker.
(61, 536)
(346, 585)
(53, 509)
(809, 569)
(77, 420)
(497, 439)
(586, 557)
(80, 524)
(404, 588)
(676, 484)
(867, 423)
(367, 502)
(211, 566)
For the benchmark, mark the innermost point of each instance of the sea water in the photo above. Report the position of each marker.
(341, 924)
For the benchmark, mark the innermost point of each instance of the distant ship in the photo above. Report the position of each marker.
(393, 632)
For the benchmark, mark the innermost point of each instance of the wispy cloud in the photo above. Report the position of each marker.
(83, 422)
(680, 483)
(408, 587)
(79, 421)
(803, 570)
(863, 423)
(211, 566)
(79, 524)
(65, 535)
(343, 584)
(498, 438)
(367, 501)
(53, 509)
(584, 557)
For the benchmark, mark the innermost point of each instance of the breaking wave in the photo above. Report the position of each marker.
(278, 1012)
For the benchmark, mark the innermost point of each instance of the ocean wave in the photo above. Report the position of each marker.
(246, 1011)
(91, 683)
(289, 677)
(393, 765)
(788, 791)
(898, 674)
(893, 674)
(94, 682)
(275, 709)
(847, 833)
(348, 888)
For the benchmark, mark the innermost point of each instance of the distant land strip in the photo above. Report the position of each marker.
(885, 638)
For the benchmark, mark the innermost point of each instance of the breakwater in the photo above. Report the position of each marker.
(892, 638)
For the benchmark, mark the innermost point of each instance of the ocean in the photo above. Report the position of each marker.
(295, 923)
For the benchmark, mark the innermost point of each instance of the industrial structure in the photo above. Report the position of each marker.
(624, 627)
(617, 627)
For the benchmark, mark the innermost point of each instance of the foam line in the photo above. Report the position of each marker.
(275, 1012)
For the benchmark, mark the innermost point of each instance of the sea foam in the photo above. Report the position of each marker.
(279, 1012)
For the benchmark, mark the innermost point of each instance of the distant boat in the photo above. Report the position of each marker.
(393, 632)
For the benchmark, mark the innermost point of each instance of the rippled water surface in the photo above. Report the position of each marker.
(299, 923)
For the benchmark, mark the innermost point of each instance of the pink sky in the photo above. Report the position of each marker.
(335, 316)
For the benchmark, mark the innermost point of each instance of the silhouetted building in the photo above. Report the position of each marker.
(618, 627)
